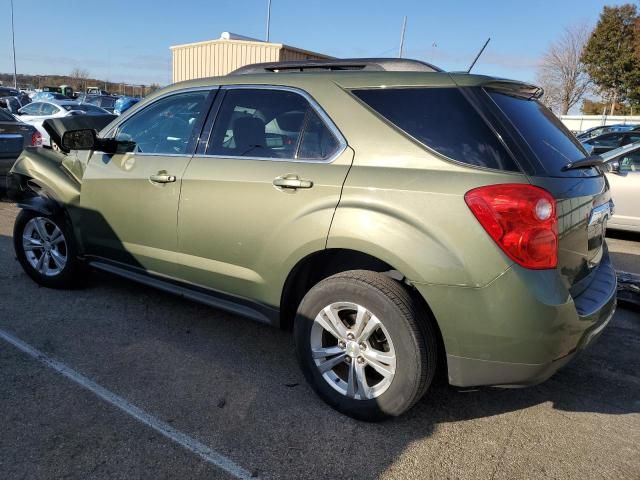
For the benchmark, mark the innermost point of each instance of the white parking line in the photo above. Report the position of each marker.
(182, 439)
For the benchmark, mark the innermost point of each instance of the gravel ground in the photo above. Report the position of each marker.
(234, 386)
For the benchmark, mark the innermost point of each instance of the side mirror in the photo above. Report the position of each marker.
(612, 167)
(79, 140)
(87, 139)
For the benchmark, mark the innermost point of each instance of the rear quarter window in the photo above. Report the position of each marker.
(443, 120)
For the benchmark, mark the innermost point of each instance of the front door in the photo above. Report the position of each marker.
(262, 191)
(129, 201)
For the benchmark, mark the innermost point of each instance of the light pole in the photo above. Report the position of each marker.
(13, 37)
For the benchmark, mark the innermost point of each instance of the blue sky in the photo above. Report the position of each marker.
(128, 41)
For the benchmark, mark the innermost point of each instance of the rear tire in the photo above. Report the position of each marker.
(46, 249)
(365, 345)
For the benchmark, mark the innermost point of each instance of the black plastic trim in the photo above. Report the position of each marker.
(230, 303)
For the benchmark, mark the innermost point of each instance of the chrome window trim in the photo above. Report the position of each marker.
(326, 120)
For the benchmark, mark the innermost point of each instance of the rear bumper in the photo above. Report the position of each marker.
(520, 329)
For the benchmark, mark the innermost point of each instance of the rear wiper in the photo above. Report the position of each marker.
(592, 161)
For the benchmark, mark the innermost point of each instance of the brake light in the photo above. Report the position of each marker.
(36, 139)
(521, 219)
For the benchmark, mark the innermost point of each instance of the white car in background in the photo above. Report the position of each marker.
(623, 173)
(37, 112)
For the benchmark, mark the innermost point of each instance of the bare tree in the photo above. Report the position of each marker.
(561, 72)
(79, 77)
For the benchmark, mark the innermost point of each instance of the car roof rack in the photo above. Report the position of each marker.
(340, 64)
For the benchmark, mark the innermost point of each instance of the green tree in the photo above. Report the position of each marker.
(610, 56)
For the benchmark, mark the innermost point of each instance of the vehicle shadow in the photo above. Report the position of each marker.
(235, 384)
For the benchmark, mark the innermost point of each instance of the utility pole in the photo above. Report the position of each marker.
(404, 27)
(268, 18)
(13, 37)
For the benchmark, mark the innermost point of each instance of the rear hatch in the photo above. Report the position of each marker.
(543, 146)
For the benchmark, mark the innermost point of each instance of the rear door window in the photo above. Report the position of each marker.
(270, 123)
(49, 109)
(443, 120)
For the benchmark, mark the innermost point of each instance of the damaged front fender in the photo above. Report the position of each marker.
(41, 172)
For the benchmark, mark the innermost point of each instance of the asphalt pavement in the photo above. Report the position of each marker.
(232, 386)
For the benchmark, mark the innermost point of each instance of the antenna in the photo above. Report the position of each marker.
(479, 53)
(404, 27)
(268, 18)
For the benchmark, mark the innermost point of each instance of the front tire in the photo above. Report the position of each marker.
(46, 249)
(365, 345)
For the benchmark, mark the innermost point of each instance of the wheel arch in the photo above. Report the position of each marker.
(322, 264)
(41, 173)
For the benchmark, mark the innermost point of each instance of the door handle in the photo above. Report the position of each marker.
(292, 183)
(162, 178)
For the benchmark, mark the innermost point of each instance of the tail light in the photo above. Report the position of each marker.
(521, 219)
(36, 139)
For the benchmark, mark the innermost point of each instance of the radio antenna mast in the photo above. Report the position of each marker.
(479, 53)
(404, 27)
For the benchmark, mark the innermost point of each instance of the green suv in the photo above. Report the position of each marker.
(396, 217)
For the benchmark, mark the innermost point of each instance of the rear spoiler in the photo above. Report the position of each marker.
(518, 89)
(56, 127)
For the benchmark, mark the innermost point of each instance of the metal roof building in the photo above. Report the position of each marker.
(218, 57)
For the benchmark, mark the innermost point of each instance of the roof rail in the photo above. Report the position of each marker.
(340, 64)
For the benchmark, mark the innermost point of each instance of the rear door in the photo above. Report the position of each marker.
(130, 200)
(261, 191)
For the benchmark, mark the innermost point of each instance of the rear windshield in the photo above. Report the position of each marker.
(550, 142)
(443, 120)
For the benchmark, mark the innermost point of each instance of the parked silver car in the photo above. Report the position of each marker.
(623, 174)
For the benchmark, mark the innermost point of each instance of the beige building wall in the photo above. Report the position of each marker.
(219, 57)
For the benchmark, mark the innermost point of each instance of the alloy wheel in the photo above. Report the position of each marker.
(45, 246)
(353, 350)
